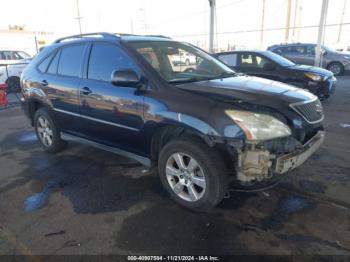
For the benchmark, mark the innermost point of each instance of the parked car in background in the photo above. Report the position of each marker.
(12, 56)
(182, 58)
(202, 127)
(266, 64)
(10, 74)
(332, 60)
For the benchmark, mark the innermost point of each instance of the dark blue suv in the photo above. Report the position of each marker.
(201, 125)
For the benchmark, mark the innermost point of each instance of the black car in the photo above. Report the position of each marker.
(202, 125)
(269, 65)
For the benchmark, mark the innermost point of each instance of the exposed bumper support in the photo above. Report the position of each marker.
(290, 161)
(256, 164)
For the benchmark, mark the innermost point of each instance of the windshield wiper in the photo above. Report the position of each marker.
(225, 74)
(188, 80)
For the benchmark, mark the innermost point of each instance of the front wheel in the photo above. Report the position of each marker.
(193, 174)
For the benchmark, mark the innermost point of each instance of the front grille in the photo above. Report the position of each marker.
(311, 111)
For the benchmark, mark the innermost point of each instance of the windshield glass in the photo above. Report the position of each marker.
(279, 59)
(329, 49)
(23, 55)
(180, 62)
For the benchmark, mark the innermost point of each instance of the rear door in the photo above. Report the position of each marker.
(111, 115)
(60, 80)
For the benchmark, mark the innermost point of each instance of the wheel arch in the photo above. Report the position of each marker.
(167, 132)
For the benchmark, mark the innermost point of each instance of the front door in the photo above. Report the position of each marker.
(112, 115)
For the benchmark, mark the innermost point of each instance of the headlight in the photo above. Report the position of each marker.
(315, 77)
(347, 57)
(258, 126)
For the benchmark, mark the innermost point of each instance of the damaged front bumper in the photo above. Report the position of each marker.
(257, 163)
(290, 161)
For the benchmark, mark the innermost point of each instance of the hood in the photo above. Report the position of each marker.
(312, 69)
(249, 89)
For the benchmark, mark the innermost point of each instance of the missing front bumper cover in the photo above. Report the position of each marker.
(256, 164)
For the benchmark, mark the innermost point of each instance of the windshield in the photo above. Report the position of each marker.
(180, 62)
(279, 59)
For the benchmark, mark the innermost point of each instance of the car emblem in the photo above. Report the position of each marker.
(319, 109)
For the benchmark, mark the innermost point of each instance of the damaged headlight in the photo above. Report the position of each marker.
(315, 77)
(258, 126)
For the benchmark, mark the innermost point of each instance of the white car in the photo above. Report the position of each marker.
(183, 58)
(10, 74)
(12, 56)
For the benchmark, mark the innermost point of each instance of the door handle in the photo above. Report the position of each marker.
(86, 91)
(44, 83)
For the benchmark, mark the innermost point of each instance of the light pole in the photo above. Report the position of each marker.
(321, 29)
(211, 25)
(78, 17)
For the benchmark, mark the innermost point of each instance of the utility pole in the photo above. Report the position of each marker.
(295, 19)
(78, 17)
(262, 25)
(321, 29)
(341, 21)
(211, 25)
(286, 37)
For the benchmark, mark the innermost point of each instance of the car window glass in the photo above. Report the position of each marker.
(229, 59)
(261, 61)
(182, 60)
(44, 64)
(310, 50)
(70, 60)
(22, 55)
(54, 64)
(247, 60)
(149, 54)
(106, 58)
(300, 50)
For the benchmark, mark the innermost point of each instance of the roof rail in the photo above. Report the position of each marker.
(101, 34)
(126, 34)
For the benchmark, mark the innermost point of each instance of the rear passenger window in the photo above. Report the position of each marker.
(70, 60)
(229, 59)
(104, 59)
(45, 63)
(54, 64)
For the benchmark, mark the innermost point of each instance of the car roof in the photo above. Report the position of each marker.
(291, 44)
(243, 51)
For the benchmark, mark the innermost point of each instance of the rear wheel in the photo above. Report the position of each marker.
(336, 68)
(47, 131)
(193, 174)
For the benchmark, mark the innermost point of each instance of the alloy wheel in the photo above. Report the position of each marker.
(185, 177)
(335, 69)
(44, 131)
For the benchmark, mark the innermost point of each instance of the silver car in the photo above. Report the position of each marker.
(334, 61)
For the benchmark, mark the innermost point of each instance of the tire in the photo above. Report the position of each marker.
(211, 169)
(336, 68)
(47, 131)
(13, 83)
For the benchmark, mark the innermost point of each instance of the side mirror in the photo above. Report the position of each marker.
(269, 66)
(125, 77)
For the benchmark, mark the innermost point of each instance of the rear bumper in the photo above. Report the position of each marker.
(292, 160)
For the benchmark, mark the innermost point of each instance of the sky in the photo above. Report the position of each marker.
(186, 20)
